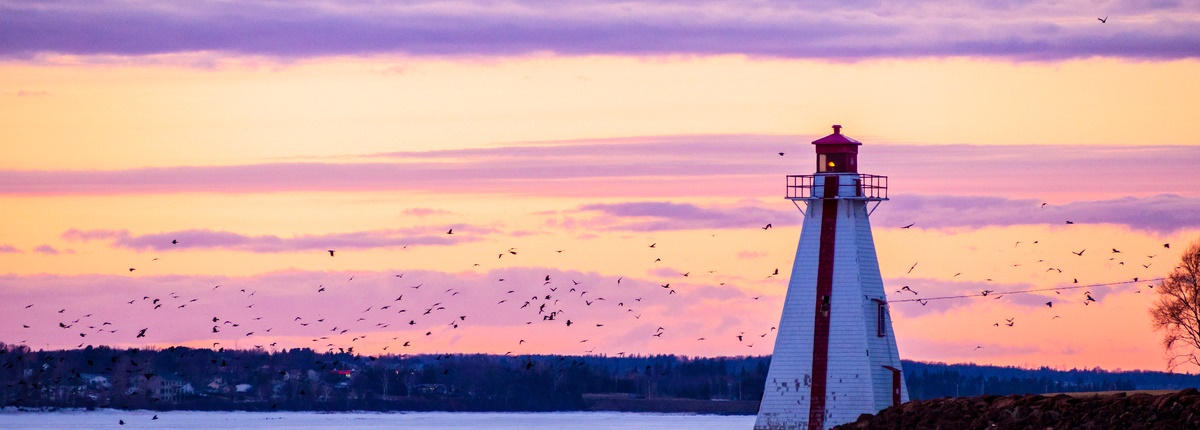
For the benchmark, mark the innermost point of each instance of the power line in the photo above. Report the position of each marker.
(986, 293)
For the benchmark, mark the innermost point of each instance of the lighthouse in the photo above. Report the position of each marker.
(835, 353)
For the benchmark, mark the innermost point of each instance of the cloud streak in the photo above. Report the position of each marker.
(659, 216)
(707, 165)
(213, 239)
(823, 29)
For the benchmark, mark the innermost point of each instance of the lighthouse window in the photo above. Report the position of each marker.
(879, 323)
(835, 162)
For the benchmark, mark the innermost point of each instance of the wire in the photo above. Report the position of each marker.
(1001, 293)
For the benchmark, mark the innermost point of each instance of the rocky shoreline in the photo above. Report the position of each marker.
(1120, 410)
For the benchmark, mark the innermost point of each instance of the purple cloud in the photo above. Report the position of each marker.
(934, 185)
(1166, 213)
(658, 216)
(46, 249)
(207, 239)
(4, 249)
(823, 29)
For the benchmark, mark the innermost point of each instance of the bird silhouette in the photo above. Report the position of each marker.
(1080, 253)
(330, 252)
(1103, 20)
(909, 226)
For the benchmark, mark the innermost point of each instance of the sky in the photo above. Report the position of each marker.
(186, 168)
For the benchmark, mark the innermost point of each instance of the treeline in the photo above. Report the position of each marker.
(302, 379)
(933, 380)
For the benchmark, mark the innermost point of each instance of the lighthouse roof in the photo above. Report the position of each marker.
(837, 138)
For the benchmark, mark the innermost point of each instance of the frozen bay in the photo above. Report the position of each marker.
(108, 418)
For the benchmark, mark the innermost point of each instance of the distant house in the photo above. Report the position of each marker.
(431, 389)
(166, 388)
(94, 381)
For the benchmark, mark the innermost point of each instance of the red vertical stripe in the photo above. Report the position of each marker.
(820, 363)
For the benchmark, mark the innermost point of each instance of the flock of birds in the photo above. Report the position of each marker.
(1111, 256)
(407, 310)
(416, 310)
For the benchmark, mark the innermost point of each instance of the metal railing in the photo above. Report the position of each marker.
(867, 187)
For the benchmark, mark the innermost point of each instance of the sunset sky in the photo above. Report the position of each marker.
(203, 157)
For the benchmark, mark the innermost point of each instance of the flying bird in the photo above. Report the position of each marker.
(450, 231)
(1103, 20)
(767, 226)
(910, 269)
(1080, 253)
(330, 252)
(909, 226)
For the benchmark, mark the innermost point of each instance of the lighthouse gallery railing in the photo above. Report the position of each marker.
(870, 187)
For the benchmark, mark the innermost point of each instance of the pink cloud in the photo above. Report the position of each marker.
(750, 255)
(342, 309)
(4, 249)
(423, 212)
(46, 249)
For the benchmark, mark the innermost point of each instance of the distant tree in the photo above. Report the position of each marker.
(1177, 310)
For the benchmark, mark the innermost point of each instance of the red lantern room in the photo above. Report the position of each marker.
(837, 153)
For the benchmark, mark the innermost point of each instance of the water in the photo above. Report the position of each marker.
(11, 419)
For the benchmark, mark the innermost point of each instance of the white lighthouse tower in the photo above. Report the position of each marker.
(835, 353)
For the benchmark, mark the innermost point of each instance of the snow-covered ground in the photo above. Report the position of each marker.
(11, 419)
